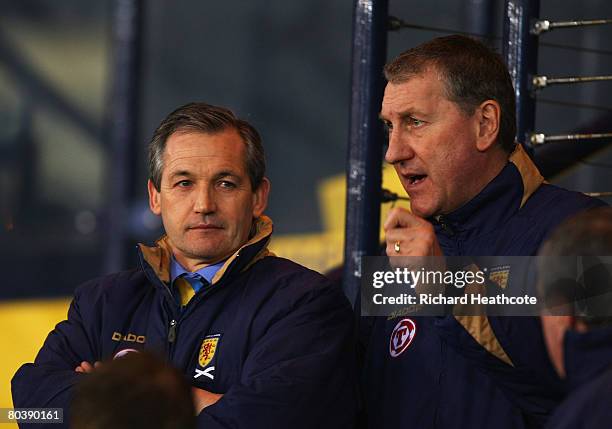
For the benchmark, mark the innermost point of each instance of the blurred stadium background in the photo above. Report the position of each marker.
(283, 65)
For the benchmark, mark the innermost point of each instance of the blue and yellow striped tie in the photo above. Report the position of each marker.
(187, 286)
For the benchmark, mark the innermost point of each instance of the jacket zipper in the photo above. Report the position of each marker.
(173, 322)
(172, 331)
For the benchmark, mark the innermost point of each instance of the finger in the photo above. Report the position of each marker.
(399, 217)
(405, 235)
(86, 366)
(418, 241)
(97, 364)
(393, 218)
(408, 236)
(79, 369)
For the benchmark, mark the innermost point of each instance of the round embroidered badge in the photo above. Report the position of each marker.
(401, 337)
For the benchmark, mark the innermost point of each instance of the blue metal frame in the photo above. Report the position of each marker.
(364, 165)
(520, 50)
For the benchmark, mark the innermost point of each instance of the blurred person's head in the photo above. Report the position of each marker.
(134, 391)
(449, 108)
(575, 279)
(207, 181)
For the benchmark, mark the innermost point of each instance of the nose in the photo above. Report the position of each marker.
(204, 200)
(399, 148)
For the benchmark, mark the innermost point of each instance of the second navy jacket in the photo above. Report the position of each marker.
(275, 338)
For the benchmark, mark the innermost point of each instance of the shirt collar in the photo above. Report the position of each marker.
(207, 272)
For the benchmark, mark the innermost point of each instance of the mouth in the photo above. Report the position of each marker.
(415, 179)
(204, 226)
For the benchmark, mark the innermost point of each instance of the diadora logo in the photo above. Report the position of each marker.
(130, 338)
(401, 337)
(207, 357)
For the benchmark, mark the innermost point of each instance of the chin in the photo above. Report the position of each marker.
(425, 205)
(423, 212)
(205, 253)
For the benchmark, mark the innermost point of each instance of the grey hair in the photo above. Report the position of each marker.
(471, 72)
(208, 119)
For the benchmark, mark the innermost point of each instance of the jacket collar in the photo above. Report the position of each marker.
(587, 355)
(499, 200)
(158, 257)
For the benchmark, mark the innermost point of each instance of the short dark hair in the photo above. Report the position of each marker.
(131, 392)
(208, 119)
(472, 73)
(585, 287)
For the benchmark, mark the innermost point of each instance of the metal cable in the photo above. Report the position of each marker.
(576, 105)
(388, 196)
(598, 194)
(576, 48)
(540, 82)
(396, 24)
(572, 104)
(544, 25)
(540, 139)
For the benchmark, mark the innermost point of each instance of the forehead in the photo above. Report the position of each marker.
(421, 92)
(186, 149)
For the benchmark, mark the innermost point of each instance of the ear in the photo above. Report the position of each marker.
(260, 198)
(489, 114)
(154, 200)
(554, 329)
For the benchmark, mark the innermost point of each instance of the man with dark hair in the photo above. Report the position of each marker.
(575, 280)
(132, 392)
(264, 341)
(449, 110)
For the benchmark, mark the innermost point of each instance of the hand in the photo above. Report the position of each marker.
(416, 239)
(414, 235)
(203, 398)
(86, 367)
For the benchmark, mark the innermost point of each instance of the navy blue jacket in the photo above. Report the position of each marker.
(272, 336)
(469, 372)
(588, 366)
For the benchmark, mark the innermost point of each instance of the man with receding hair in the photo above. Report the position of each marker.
(265, 343)
(449, 110)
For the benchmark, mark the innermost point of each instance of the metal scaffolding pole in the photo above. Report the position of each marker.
(364, 164)
(521, 54)
(127, 24)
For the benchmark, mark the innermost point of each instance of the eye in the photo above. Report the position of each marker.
(388, 127)
(183, 183)
(416, 123)
(226, 184)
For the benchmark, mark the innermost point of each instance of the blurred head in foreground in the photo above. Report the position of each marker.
(135, 391)
(575, 279)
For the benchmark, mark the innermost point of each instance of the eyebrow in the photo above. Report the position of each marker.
(226, 173)
(180, 173)
(405, 114)
(217, 176)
